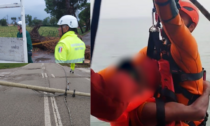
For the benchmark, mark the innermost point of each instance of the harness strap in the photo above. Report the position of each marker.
(160, 108)
(169, 95)
(180, 90)
(180, 75)
(190, 76)
(130, 124)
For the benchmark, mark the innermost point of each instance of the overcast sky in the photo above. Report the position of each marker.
(32, 7)
(132, 8)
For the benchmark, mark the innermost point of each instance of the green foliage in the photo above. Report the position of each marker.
(36, 21)
(29, 20)
(84, 16)
(58, 8)
(46, 21)
(3, 22)
(53, 21)
(14, 20)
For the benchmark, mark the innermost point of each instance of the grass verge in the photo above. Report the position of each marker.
(11, 31)
(11, 65)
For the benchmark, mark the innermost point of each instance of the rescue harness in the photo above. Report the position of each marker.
(170, 83)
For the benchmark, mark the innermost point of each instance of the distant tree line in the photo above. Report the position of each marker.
(57, 9)
(35, 21)
(30, 21)
(3, 22)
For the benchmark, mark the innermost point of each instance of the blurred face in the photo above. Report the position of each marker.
(19, 28)
(187, 21)
(65, 29)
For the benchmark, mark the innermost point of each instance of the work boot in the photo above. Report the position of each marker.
(70, 71)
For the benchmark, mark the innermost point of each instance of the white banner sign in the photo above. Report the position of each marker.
(11, 49)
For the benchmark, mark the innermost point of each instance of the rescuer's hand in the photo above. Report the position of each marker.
(206, 87)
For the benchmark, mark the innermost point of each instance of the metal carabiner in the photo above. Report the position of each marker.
(153, 28)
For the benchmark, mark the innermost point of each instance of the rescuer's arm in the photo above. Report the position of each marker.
(110, 98)
(177, 111)
(175, 28)
(110, 94)
(60, 53)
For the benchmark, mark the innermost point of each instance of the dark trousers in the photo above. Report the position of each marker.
(30, 57)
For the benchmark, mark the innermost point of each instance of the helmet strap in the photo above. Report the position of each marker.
(62, 29)
(189, 24)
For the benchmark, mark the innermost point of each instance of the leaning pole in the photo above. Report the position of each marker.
(201, 8)
(39, 88)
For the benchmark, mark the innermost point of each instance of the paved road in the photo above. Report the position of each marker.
(25, 107)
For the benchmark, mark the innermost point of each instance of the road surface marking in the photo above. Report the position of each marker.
(88, 79)
(46, 111)
(46, 75)
(53, 76)
(42, 75)
(84, 70)
(56, 112)
(42, 64)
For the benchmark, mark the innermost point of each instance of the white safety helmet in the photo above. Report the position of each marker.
(69, 20)
(19, 23)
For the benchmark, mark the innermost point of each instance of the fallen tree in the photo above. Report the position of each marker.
(49, 43)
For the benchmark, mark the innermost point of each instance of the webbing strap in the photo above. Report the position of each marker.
(160, 108)
(170, 95)
(130, 124)
(180, 90)
(163, 3)
(189, 76)
(180, 75)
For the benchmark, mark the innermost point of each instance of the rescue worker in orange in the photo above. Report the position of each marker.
(177, 25)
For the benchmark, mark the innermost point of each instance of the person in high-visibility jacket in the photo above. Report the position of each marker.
(70, 48)
(72, 66)
(29, 42)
